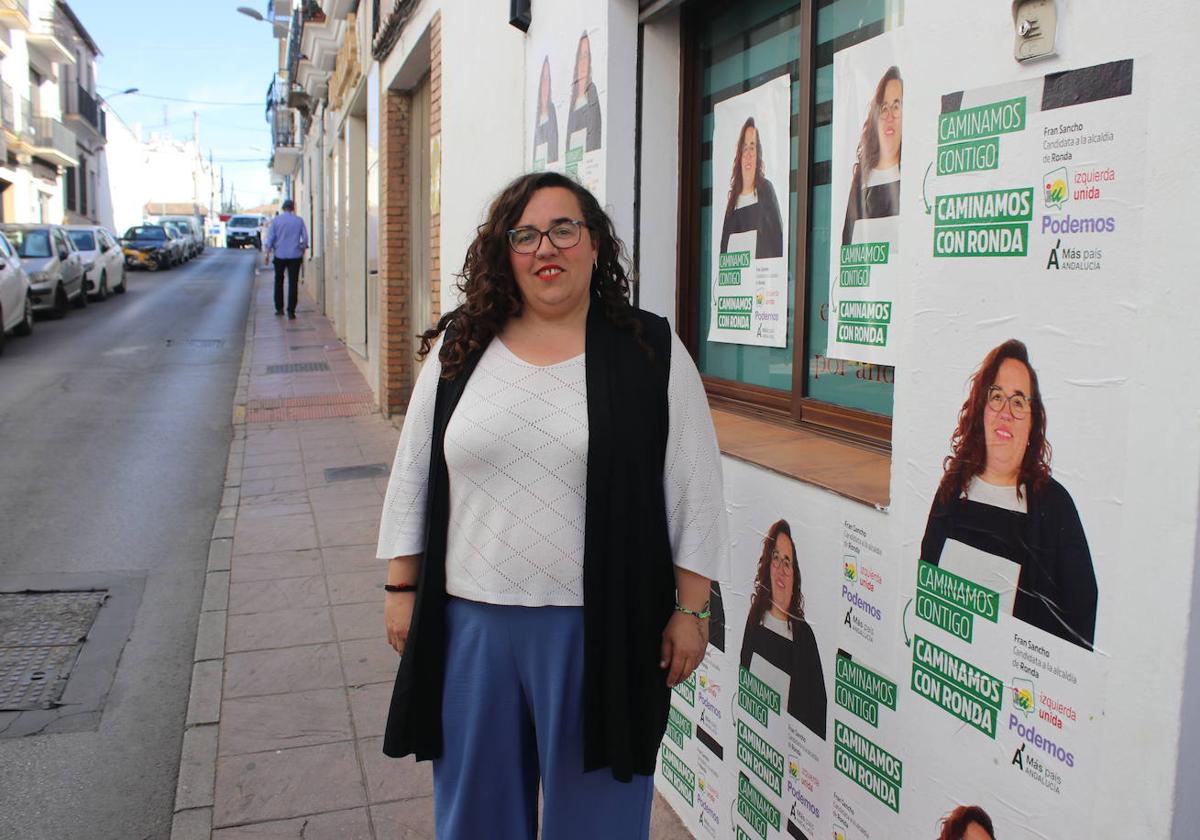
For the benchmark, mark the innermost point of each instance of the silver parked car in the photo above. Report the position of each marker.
(190, 247)
(103, 261)
(195, 229)
(53, 264)
(16, 307)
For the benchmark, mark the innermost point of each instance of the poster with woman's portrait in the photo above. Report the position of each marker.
(868, 133)
(781, 707)
(566, 96)
(749, 277)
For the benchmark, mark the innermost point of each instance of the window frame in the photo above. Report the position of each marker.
(795, 409)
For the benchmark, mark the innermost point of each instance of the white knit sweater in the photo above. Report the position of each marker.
(516, 453)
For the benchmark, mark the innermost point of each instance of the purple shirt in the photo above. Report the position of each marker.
(288, 237)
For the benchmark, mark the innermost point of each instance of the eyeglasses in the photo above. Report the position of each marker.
(562, 234)
(780, 561)
(894, 109)
(1018, 403)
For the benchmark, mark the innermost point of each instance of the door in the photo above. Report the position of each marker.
(421, 293)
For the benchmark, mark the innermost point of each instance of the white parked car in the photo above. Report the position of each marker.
(246, 229)
(16, 306)
(103, 260)
(53, 265)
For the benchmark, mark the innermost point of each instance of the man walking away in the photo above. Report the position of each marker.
(288, 240)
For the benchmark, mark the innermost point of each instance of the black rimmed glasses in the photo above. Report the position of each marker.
(1018, 403)
(564, 233)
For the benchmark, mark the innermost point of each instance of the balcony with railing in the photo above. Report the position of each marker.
(54, 142)
(14, 13)
(83, 112)
(287, 127)
(8, 112)
(286, 140)
(49, 37)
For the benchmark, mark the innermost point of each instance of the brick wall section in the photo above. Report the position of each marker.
(435, 128)
(396, 364)
(395, 265)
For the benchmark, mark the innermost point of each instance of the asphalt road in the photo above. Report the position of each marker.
(115, 426)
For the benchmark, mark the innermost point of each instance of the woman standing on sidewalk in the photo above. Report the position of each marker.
(553, 521)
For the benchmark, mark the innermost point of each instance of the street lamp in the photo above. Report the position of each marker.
(252, 13)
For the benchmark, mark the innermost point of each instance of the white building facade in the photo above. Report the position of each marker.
(39, 40)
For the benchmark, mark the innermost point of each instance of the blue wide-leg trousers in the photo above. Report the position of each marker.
(512, 714)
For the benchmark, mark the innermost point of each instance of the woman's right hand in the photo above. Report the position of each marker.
(397, 615)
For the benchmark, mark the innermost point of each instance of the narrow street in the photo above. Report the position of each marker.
(116, 424)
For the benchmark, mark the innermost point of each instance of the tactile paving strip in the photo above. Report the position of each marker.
(41, 634)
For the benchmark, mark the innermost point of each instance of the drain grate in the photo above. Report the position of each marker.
(41, 634)
(298, 367)
(352, 473)
(307, 347)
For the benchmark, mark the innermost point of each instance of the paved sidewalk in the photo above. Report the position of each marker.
(292, 671)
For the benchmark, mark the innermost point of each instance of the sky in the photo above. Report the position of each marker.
(204, 52)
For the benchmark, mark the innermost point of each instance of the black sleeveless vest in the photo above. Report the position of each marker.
(628, 576)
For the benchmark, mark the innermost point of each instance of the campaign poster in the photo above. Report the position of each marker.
(868, 132)
(567, 93)
(750, 225)
(938, 669)
(1035, 197)
(870, 758)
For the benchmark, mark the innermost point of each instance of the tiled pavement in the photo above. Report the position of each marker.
(292, 672)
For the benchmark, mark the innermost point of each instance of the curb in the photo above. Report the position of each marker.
(194, 791)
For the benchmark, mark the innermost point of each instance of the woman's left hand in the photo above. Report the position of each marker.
(683, 645)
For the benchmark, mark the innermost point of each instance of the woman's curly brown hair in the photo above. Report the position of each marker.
(968, 450)
(489, 292)
(955, 824)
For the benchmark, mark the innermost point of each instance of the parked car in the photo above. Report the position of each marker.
(195, 228)
(148, 246)
(187, 241)
(16, 305)
(244, 230)
(53, 264)
(103, 261)
(181, 244)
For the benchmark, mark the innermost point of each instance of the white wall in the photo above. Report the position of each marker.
(483, 64)
(122, 177)
(660, 165)
(175, 170)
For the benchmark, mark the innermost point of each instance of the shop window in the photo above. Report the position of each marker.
(729, 49)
